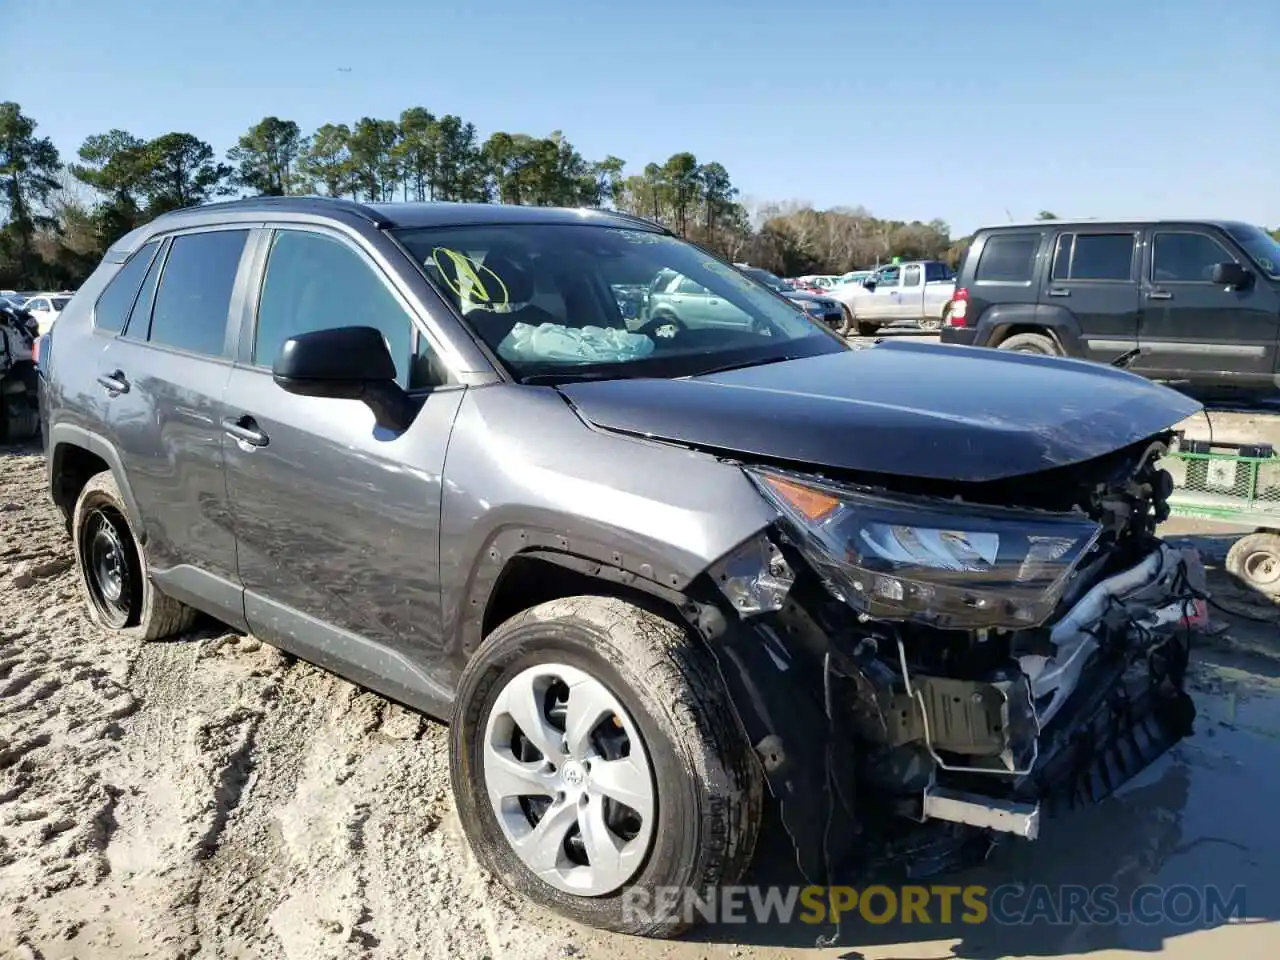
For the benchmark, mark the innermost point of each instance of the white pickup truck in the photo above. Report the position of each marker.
(917, 290)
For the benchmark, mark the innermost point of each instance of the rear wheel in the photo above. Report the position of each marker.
(595, 758)
(113, 574)
(1031, 343)
(931, 324)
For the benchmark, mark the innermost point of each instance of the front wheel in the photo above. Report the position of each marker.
(596, 760)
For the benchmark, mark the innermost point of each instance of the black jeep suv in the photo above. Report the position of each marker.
(1192, 300)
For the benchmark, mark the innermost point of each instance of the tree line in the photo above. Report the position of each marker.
(60, 215)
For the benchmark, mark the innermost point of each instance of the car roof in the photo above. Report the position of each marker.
(1115, 221)
(428, 214)
(382, 216)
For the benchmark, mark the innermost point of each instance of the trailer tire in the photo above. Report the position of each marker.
(1254, 561)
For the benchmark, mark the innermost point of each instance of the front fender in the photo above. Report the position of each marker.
(524, 472)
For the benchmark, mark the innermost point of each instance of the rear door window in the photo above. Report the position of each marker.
(113, 306)
(194, 296)
(1094, 256)
(1008, 258)
(911, 275)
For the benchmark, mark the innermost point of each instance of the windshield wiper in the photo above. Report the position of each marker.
(743, 364)
(569, 376)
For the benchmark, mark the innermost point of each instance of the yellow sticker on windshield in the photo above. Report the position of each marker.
(469, 281)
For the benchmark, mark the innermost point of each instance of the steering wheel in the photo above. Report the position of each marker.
(663, 327)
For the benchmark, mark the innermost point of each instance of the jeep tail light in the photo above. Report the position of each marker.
(958, 315)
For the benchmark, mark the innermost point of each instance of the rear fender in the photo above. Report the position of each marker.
(999, 321)
(65, 437)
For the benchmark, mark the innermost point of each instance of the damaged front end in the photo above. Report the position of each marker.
(921, 674)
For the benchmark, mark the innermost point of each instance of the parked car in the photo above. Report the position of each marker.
(46, 307)
(640, 573)
(917, 290)
(853, 276)
(1195, 301)
(829, 311)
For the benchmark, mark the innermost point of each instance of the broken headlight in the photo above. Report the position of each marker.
(958, 566)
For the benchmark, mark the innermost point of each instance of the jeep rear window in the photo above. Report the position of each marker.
(1094, 256)
(1008, 258)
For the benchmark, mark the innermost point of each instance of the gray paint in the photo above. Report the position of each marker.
(373, 553)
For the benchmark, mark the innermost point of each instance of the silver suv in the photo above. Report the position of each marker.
(644, 577)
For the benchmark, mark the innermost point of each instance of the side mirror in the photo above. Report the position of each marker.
(345, 363)
(1230, 275)
(869, 283)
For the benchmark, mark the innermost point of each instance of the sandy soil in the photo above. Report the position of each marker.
(213, 796)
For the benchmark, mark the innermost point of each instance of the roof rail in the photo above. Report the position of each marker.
(304, 203)
(633, 217)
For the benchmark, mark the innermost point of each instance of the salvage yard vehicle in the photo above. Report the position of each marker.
(1194, 301)
(829, 311)
(918, 290)
(19, 389)
(644, 574)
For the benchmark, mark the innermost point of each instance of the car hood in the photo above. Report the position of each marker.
(928, 411)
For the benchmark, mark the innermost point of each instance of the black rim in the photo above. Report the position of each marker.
(109, 567)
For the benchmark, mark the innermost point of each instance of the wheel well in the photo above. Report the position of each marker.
(72, 468)
(1018, 328)
(528, 580)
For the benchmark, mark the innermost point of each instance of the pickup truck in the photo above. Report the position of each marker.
(917, 290)
(1195, 302)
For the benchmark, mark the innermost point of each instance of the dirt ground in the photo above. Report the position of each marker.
(211, 796)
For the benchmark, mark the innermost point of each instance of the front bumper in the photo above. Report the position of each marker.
(913, 753)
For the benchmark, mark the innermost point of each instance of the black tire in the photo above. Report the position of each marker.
(867, 329)
(1254, 561)
(1039, 343)
(143, 613)
(707, 779)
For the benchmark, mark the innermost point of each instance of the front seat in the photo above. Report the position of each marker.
(516, 287)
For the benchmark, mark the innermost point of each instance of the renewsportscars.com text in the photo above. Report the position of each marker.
(1007, 905)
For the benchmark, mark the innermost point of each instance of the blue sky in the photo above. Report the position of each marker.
(969, 112)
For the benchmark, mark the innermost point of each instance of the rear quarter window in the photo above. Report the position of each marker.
(1008, 258)
(113, 306)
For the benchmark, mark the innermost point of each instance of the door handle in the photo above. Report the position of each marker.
(114, 381)
(244, 429)
(1058, 292)
(1159, 295)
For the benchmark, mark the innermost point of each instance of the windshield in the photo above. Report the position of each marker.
(586, 301)
(769, 280)
(1261, 247)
